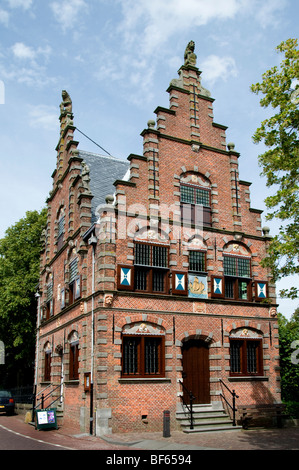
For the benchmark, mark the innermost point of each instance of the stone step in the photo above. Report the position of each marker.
(215, 428)
(206, 418)
(203, 414)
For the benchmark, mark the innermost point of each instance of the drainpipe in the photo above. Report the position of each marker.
(93, 242)
(37, 296)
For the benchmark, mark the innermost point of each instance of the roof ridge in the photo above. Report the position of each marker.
(93, 154)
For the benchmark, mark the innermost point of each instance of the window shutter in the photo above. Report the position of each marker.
(179, 283)
(125, 277)
(73, 270)
(261, 290)
(77, 288)
(62, 298)
(217, 286)
(49, 291)
(60, 227)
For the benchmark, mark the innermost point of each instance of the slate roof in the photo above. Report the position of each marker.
(104, 171)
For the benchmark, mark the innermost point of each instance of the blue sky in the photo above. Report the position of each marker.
(116, 59)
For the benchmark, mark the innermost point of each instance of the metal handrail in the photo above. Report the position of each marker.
(58, 398)
(191, 398)
(233, 406)
(42, 391)
(44, 397)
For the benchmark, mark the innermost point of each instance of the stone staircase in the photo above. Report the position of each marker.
(210, 417)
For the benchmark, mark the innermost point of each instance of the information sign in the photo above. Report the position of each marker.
(46, 419)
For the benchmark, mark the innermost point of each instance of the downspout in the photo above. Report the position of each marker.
(37, 296)
(93, 242)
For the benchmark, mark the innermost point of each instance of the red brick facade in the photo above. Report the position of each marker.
(124, 317)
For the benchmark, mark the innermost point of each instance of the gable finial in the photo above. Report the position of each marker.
(66, 104)
(189, 56)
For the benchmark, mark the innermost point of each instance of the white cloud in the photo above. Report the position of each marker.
(13, 4)
(28, 66)
(218, 67)
(66, 13)
(268, 12)
(43, 116)
(148, 29)
(21, 51)
(4, 17)
(24, 52)
(151, 24)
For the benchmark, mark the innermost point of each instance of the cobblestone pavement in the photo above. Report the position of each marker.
(253, 439)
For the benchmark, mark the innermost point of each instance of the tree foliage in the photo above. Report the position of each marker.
(289, 356)
(280, 164)
(19, 274)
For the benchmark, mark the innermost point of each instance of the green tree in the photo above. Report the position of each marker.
(289, 356)
(280, 164)
(19, 274)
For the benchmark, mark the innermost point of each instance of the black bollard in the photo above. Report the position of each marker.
(166, 423)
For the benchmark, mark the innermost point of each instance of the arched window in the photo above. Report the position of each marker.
(143, 351)
(236, 284)
(74, 281)
(47, 356)
(150, 267)
(246, 352)
(49, 296)
(149, 272)
(196, 200)
(237, 272)
(60, 227)
(74, 356)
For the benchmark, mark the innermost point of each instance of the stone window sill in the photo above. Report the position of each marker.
(253, 378)
(127, 380)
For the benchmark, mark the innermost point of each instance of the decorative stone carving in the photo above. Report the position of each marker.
(199, 307)
(85, 177)
(108, 300)
(59, 349)
(190, 57)
(143, 328)
(273, 312)
(66, 104)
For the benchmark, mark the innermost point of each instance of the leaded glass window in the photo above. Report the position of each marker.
(234, 266)
(197, 261)
(195, 205)
(151, 268)
(237, 283)
(245, 357)
(142, 356)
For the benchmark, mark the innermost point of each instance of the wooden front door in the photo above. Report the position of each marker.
(196, 374)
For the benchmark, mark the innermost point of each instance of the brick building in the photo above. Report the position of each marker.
(151, 284)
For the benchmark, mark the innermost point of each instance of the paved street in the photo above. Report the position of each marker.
(11, 440)
(15, 434)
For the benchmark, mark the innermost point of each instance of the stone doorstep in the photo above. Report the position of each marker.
(206, 418)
